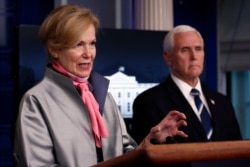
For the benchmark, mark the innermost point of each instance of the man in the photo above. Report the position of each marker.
(184, 54)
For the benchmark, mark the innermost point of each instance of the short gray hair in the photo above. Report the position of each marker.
(168, 42)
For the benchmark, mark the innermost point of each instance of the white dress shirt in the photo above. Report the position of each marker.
(186, 89)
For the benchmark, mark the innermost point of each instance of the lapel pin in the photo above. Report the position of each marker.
(212, 101)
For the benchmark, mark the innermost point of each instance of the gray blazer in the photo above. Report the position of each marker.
(54, 129)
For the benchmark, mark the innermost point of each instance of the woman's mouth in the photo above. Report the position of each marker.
(84, 65)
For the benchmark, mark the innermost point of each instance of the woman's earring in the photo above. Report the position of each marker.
(55, 56)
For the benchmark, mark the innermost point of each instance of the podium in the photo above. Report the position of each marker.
(160, 155)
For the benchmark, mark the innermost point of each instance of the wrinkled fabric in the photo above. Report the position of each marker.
(54, 128)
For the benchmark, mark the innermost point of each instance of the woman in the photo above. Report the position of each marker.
(56, 126)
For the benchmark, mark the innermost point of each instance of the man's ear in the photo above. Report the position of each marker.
(167, 58)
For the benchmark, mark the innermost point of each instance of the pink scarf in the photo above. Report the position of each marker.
(98, 126)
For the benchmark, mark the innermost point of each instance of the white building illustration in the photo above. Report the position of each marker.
(124, 89)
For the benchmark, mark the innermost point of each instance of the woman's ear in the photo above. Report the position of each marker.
(52, 52)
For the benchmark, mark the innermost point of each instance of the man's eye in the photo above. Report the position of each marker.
(93, 43)
(184, 50)
(199, 48)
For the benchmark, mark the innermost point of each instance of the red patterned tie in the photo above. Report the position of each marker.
(98, 125)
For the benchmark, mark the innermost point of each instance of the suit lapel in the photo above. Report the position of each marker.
(182, 105)
(212, 107)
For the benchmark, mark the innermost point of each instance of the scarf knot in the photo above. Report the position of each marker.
(98, 127)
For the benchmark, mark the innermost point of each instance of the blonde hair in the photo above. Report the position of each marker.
(63, 26)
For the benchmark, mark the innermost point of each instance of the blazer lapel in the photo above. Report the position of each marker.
(183, 106)
(212, 107)
(99, 88)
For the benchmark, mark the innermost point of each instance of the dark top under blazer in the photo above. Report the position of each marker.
(151, 106)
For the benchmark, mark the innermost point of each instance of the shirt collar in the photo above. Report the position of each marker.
(184, 87)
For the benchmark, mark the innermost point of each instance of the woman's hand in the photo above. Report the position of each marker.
(168, 127)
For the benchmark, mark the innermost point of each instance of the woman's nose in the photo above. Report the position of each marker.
(86, 51)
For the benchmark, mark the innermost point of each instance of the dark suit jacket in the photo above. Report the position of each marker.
(151, 106)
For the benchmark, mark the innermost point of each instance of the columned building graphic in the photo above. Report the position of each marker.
(124, 89)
